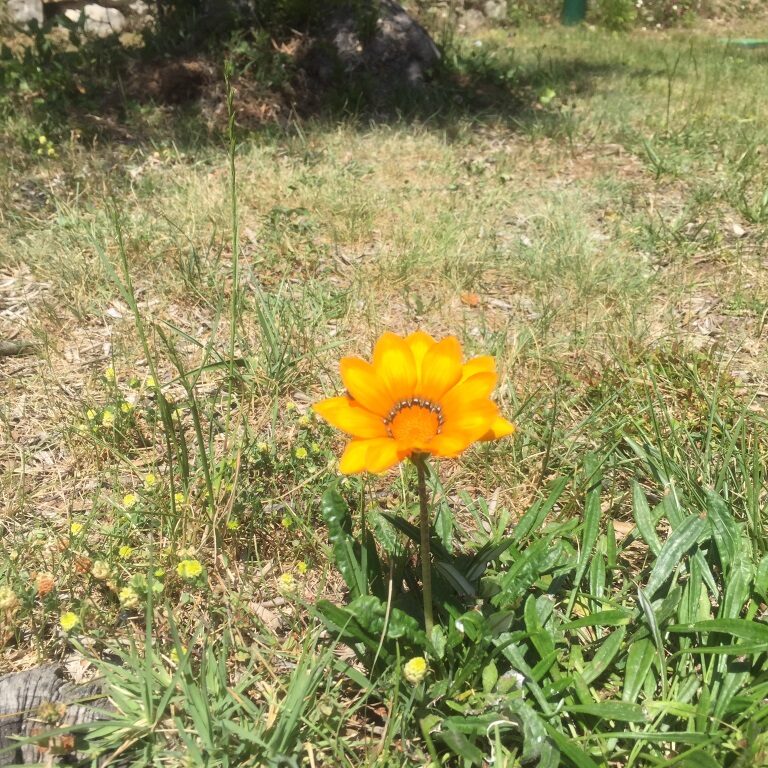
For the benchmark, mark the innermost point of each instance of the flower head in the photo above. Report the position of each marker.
(415, 670)
(8, 600)
(129, 500)
(68, 621)
(416, 397)
(189, 569)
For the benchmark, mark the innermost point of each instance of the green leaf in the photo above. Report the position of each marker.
(490, 677)
(487, 554)
(610, 710)
(604, 656)
(591, 525)
(460, 745)
(752, 631)
(679, 542)
(761, 578)
(455, 578)
(644, 520)
(336, 515)
(725, 530)
(414, 534)
(737, 584)
(570, 749)
(639, 660)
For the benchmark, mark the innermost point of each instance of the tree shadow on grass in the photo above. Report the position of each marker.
(108, 93)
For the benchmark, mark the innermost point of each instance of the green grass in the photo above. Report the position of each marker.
(587, 207)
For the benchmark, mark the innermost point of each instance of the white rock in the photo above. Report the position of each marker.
(495, 9)
(24, 11)
(99, 21)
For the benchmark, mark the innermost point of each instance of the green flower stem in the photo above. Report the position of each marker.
(426, 557)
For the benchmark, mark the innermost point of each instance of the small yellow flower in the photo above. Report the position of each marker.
(189, 569)
(415, 670)
(179, 498)
(100, 570)
(8, 599)
(150, 481)
(233, 525)
(286, 522)
(287, 582)
(304, 421)
(82, 429)
(109, 374)
(262, 447)
(150, 382)
(76, 528)
(91, 414)
(108, 419)
(290, 406)
(42, 140)
(159, 573)
(68, 621)
(315, 448)
(129, 500)
(301, 453)
(301, 567)
(174, 654)
(51, 152)
(129, 597)
(125, 551)
(126, 407)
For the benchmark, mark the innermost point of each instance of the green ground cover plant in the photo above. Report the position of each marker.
(589, 209)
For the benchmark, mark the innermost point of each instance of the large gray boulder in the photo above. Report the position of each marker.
(376, 37)
(99, 21)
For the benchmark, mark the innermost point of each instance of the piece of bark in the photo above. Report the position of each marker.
(21, 696)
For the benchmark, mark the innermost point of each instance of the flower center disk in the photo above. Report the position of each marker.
(414, 422)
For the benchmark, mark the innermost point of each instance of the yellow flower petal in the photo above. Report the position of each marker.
(363, 385)
(474, 419)
(441, 369)
(450, 445)
(395, 366)
(349, 416)
(374, 455)
(482, 364)
(419, 342)
(499, 428)
(477, 387)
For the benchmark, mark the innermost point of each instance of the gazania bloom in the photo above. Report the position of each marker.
(416, 397)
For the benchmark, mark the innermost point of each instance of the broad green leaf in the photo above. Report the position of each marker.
(679, 542)
(725, 530)
(590, 528)
(336, 515)
(490, 677)
(604, 656)
(414, 534)
(761, 578)
(610, 710)
(737, 584)
(484, 556)
(639, 660)
(460, 745)
(570, 748)
(644, 520)
(752, 631)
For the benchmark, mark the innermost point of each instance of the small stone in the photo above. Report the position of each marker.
(24, 11)
(99, 21)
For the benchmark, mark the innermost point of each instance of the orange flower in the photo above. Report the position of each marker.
(415, 398)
